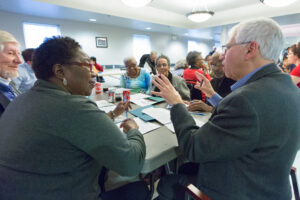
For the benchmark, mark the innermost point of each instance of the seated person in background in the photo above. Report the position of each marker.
(284, 64)
(26, 77)
(207, 63)
(9, 62)
(245, 151)
(135, 77)
(180, 66)
(149, 60)
(195, 60)
(59, 140)
(163, 67)
(294, 58)
(96, 68)
(220, 84)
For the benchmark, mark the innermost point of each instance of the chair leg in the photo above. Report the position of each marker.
(295, 183)
(151, 186)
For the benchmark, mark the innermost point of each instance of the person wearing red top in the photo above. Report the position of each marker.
(294, 58)
(195, 60)
(96, 68)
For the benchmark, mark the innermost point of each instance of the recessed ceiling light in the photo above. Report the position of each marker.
(92, 20)
(148, 28)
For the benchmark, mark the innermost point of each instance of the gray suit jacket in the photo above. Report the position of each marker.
(247, 147)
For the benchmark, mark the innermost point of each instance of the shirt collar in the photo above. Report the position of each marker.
(5, 81)
(243, 80)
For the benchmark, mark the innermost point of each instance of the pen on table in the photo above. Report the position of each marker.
(197, 113)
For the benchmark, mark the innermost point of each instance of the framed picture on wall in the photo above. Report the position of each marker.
(101, 42)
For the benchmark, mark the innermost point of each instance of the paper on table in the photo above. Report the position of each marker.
(198, 123)
(160, 114)
(142, 102)
(144, 127)
(103, 103)
(108, 108)
(170, 127)
(138, 96)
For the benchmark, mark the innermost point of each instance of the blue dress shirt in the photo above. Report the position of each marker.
(26, 78)
(7, 91)
(216, 98)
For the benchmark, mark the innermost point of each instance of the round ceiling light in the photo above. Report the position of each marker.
(136, 3)
(199, 16)
(277, 3)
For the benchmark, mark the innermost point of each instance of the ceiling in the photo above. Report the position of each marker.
(160, 15)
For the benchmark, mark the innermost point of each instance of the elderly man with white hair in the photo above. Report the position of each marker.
(245, 150)
(9, 62)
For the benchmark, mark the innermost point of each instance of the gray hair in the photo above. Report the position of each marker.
(266, 32)
(128, 59)
(153, 53)
(6, 37)
(162, 57)
(216, 54)
(181, 64)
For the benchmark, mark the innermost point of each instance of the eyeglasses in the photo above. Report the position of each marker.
(162, 65)
(88, 66)
(228, 46)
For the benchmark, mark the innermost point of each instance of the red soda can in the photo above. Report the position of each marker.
(98, 88)
(126, 95)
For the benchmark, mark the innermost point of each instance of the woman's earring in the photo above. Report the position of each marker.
(65, 82)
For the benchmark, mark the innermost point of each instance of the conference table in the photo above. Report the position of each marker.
(161, 143)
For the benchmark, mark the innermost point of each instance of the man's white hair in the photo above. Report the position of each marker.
(266, 32)
(6, 37)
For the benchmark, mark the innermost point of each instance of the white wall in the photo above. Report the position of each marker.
(119, 39)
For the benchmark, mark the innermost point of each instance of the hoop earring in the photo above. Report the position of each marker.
(65, 82)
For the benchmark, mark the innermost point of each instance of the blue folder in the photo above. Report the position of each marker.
(143, 116)
(156, 99)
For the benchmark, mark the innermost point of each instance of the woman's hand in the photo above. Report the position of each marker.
(121, 107)
(198, 105)
(128, 124)
(167, 91)
(204, 85)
